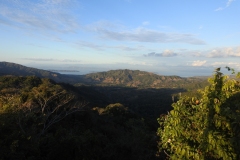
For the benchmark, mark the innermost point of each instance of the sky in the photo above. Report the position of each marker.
(167, 37)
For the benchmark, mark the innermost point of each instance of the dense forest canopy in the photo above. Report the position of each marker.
(40, 119)
(206, 127)
(124, 78)
(115, 115)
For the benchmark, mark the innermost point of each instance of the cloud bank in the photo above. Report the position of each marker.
(224, 52)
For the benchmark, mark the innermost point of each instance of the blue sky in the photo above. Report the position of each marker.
(168, 37)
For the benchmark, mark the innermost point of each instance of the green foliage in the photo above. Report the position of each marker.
(126, 135)
(115, 109)
(7, 68)
(29, 107)
(141, 79)
(205, 127)
(37, 122)
(124, 78)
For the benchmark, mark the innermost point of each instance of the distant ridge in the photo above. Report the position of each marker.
(121, 77)
(136, 78)
(8, 68)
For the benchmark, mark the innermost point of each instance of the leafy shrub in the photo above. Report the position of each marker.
(206, 127)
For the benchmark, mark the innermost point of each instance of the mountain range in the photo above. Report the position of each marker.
(121, 77)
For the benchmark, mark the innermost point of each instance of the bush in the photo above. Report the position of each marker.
(204, 128)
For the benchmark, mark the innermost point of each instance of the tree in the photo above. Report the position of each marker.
(206, 127)
(40, 104)
(54, 103)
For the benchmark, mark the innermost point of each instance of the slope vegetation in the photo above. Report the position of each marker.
(136, 78)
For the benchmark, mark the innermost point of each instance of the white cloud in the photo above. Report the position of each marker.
(145, 23)
(216, 54)
(84, 44)
(51, 59)
(39, 59)
(219, 9)
(147, 35)
(196, 53)
(126, 48)
(229, 2)
(168, 53)
(198, 63)
(98, 47)
(165, 53)
(43, 15)
(69, 60)
(224, 52)
(139, 63)
(233, 65)
(57, 2)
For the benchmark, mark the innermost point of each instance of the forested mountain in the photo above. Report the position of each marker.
(136, 78)
(123, 78)
(145, 93)
(113, 115)
(7, 68)
(113, 121)
(42, 119)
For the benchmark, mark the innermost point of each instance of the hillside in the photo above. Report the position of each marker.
(136, 78)
(42, 119)
(123, 78)
(7, 68)
(115, 111)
